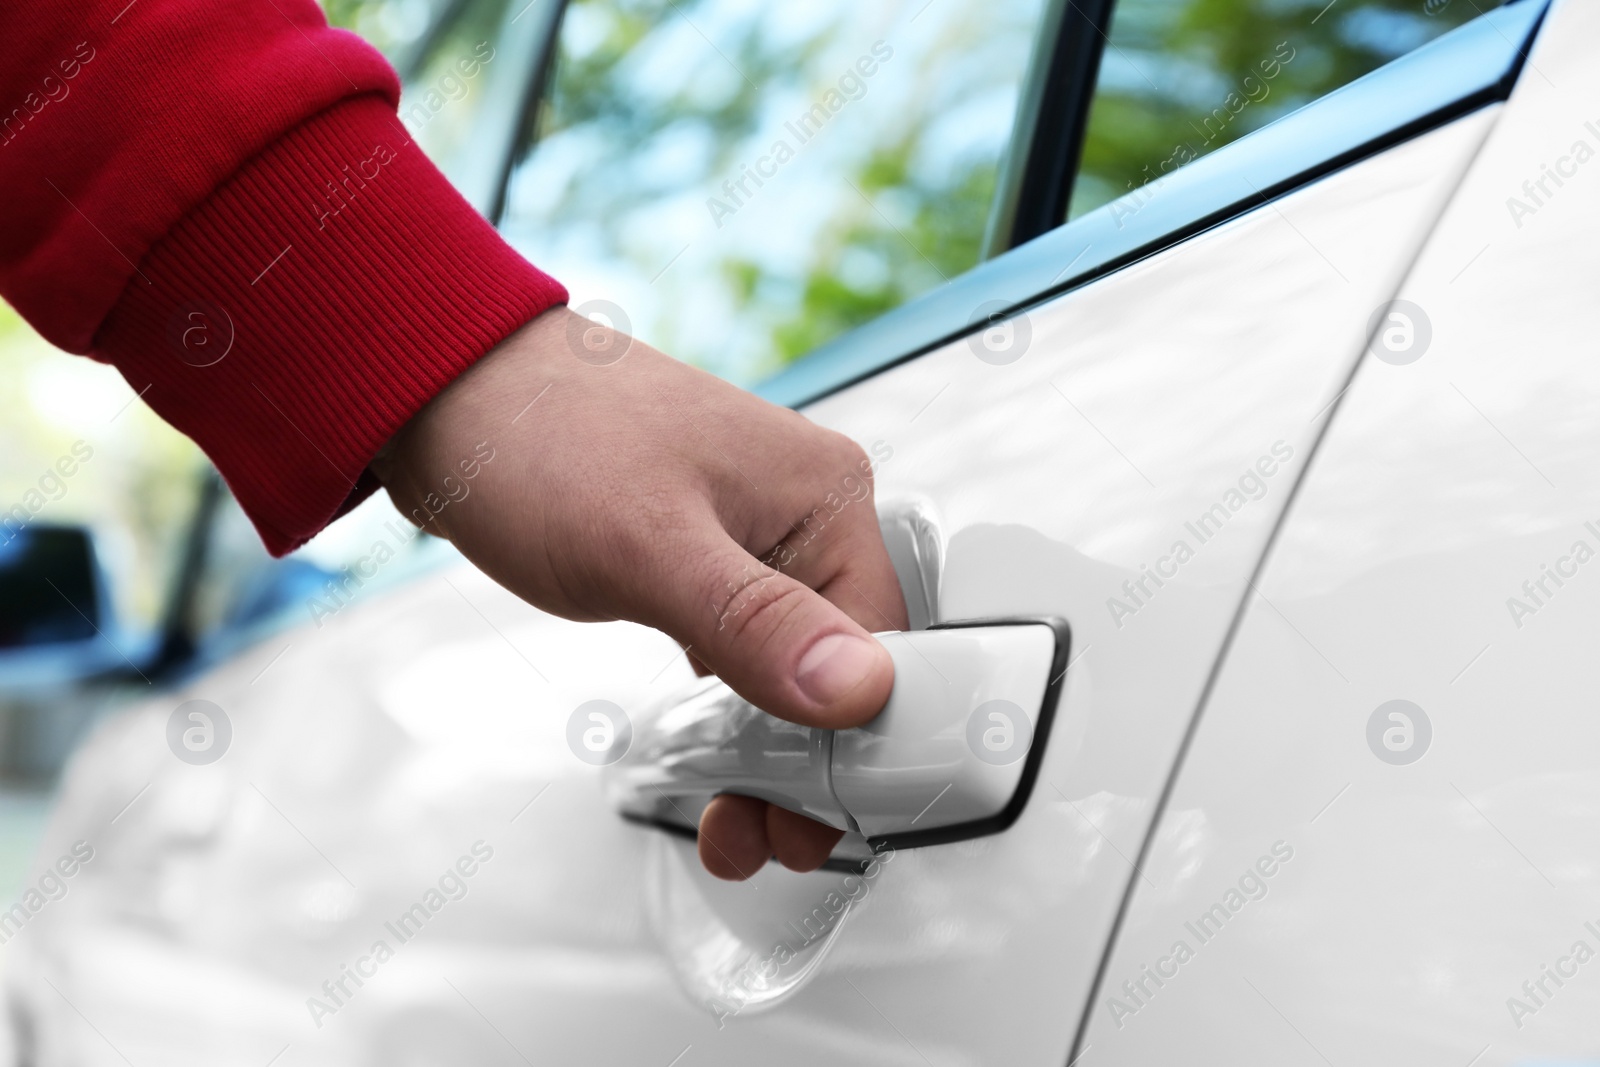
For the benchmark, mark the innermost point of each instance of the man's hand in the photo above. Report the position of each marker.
(645, 489)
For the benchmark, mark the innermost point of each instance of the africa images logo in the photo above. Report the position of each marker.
(1399, 732)
(199, 732)
(200, 332)
(599, 732)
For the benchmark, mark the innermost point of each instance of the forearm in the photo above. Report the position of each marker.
(225, 207)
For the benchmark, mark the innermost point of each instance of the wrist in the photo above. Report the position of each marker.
(453, 432)
(289, 342)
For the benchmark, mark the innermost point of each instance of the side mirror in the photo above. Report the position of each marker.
(50, 587)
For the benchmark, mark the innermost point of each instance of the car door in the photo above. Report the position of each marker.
(1102, 426)
(1404, 714)
(1098, 418)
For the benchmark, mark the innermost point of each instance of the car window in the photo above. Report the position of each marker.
(445, 76)
(38, 609)
(1181, 78)
(742, 181)
(244, 595)
(445, 52)
(77, 449)
(394, 27)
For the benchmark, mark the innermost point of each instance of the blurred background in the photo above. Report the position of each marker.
(625, 171)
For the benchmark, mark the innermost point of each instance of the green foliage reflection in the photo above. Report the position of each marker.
(1182, 78)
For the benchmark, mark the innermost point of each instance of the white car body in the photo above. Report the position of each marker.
(1368, 522)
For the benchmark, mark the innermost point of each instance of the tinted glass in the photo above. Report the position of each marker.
(47, 587)
(1181, 78)
(745, 180)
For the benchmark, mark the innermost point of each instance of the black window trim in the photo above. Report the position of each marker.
(1053, 117)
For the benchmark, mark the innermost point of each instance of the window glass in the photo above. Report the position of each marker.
(47, 587)
(1181, 78)
(446, 53)
(745, 180)
(244, 594)
(77, 448)
(446, 95)
(397, 28)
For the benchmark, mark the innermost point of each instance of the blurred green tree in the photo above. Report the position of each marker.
(1181, 78)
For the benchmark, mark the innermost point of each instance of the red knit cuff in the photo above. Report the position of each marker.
(299, 317)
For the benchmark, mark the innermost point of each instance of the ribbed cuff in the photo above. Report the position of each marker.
(321, 297)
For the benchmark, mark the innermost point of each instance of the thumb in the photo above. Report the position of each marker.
(775, 641)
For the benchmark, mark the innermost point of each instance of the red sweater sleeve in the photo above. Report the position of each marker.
(218, 199)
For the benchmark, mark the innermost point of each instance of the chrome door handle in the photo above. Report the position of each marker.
(952, 755)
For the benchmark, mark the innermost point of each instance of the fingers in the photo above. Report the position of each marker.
(848, 564)
(800, 844)
(768, 636)
(769, 641)
(776, 642)
(739, 834)
(733, 837)
(825, 529)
